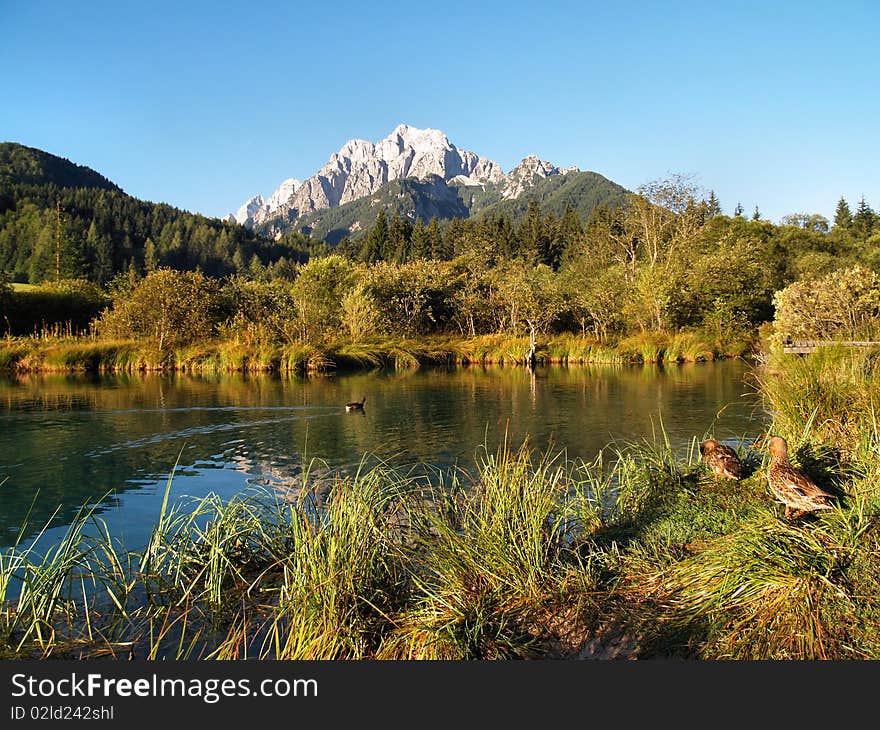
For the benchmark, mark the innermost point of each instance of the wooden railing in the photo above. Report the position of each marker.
(803, 347)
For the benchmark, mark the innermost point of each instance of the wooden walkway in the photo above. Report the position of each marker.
(804, 347)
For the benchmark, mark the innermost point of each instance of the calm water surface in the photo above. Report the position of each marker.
(112, 441)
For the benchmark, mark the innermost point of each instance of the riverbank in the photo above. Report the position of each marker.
(639, 554)
(86, 354)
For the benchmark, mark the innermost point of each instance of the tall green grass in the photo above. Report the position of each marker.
(757, 593)
(386, 565)
(689, 347)
(47, 594)
(832, 394)
(491, 560)
(11, 355)
(749, 584)
(571, 349)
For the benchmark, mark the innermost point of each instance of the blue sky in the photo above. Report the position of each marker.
(203, 104)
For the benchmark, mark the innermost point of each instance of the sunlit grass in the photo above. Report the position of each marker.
(572, 349)
(71, 354)
(832, 394)
(689, 347)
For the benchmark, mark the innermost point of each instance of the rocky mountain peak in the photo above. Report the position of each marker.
(360, 168)
(249, 209)
(259, 208)
(283, 193)
(525, 174)
(419, 139)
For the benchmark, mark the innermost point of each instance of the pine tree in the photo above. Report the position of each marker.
(531, 234)
(256, 270)
(41, 265)
(103, 267)
(59, 236)
(507, 242)
(570, 229)
(843, 218)
(238, 260)
(419, 244)
(738, 211)
(482, 238)
(713, 207)
(151, 256)
(864, 219)
(100, 250)
(132, 274)
(756, 216)
(436, 244)
(67, 261)
(283, 269)
(374, 245)
(552, 245)
(398, 242)
(454, 239)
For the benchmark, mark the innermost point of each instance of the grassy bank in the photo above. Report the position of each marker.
(639, 554)
(71, 354)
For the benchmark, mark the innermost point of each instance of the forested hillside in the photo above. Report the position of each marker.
(59, 220)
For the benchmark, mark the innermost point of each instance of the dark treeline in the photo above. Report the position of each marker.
(49, 233)
(538, 239)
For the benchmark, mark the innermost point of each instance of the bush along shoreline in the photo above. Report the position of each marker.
(639, 554)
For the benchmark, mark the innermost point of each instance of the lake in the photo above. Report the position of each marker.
(112, 440)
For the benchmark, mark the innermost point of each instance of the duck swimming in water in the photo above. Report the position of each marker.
(355, 406)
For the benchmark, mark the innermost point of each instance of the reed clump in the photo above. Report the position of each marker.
(574, 350)
(490, 555)
(689, 347)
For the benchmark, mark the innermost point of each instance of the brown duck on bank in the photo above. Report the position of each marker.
(790, 485)
(721, 459)
(355, 406)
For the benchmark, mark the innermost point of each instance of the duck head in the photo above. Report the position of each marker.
(778, 448)
(708, 446)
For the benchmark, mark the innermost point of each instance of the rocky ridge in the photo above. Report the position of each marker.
(527, 172)
(362, 168)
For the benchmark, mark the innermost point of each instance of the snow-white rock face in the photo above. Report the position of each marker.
(257, 209)
(525, 174)
(282, 194)
(360, 168)
(249, 209)
(464, 180)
